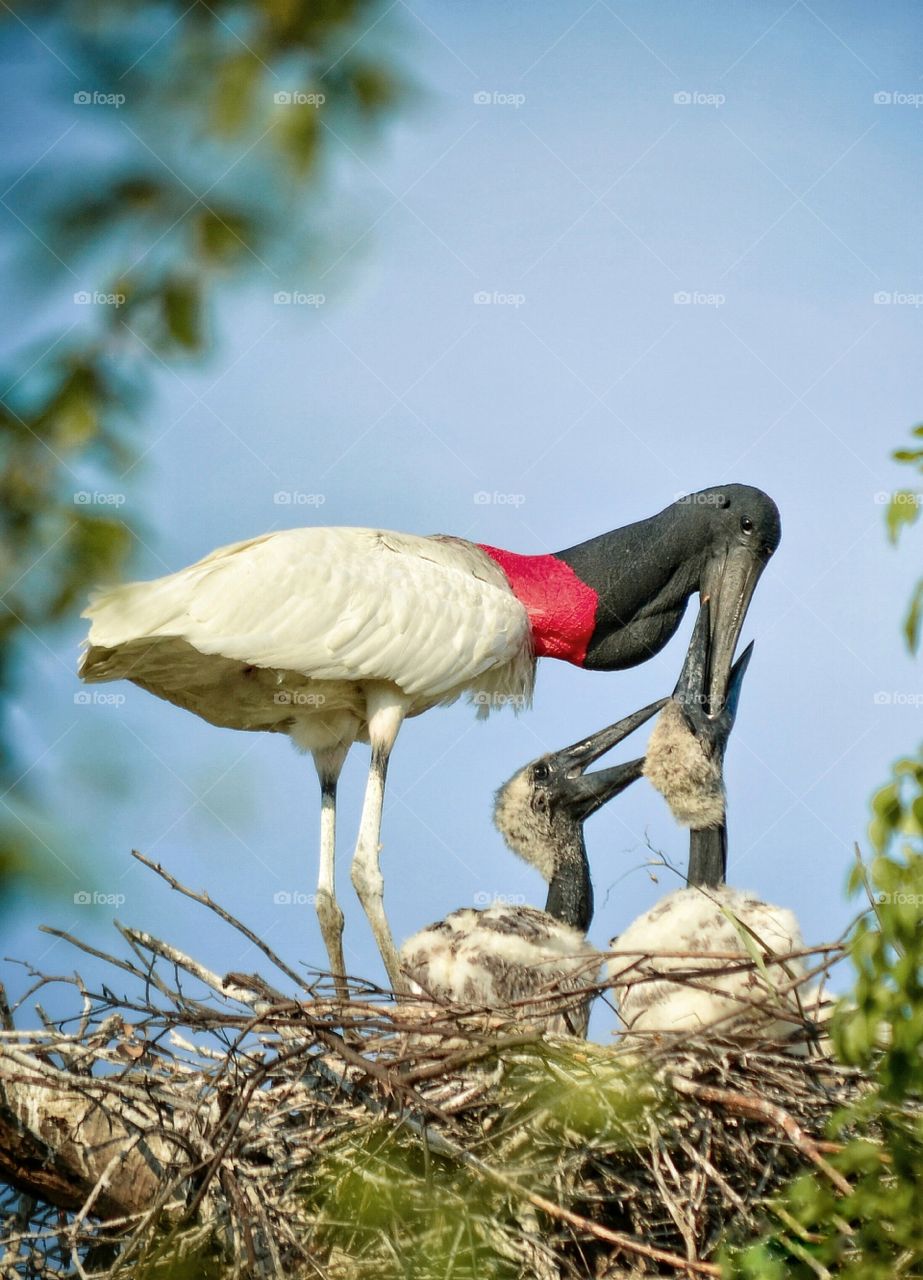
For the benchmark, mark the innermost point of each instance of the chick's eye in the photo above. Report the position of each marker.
(746, 524)
(540, 771)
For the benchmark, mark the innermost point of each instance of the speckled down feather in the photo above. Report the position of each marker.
(704, 920)
(501, 955)
(684, 772)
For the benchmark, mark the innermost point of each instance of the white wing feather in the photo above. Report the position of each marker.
(428, 614)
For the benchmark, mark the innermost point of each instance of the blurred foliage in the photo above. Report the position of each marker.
(211, 169)
(903, 510)
(876, 1232)
(388, 1208)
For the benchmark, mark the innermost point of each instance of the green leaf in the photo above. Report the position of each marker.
(182, 312)
(223, 235)
(232, 101)
(903, 509)
(912, 620)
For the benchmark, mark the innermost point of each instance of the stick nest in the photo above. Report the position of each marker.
(207, 1127)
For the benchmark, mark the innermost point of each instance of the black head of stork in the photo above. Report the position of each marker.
(685, 754)
(540, 813)
(716, 542)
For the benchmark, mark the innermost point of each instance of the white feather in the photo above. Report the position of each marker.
(278, 632)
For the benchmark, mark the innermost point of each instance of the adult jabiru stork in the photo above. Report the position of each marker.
(538, 961)
(334, 635)
(708, 920)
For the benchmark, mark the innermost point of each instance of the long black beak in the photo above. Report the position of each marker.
(708, 847)
(583, 792)
(728, 584)
(691, 688)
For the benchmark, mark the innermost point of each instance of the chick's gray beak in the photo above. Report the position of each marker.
(583, 792)
(576, 759)
(591, 791)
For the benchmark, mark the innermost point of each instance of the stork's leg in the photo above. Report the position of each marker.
(328, 765)
(386, 708)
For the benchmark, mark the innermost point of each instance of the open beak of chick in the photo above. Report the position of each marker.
(685, 755)
(583, 793)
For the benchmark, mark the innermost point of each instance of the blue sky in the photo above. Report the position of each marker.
(681, 215)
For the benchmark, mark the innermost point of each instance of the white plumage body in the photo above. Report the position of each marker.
(504, 956)
(282, 632)
(702, 921)
(331, 635)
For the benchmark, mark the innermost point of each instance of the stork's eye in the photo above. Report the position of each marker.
(746, 524)
(540, 771)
